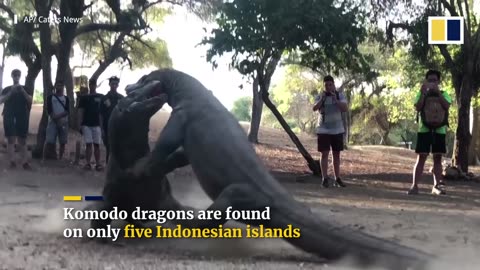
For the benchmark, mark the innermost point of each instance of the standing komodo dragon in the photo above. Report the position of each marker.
(231, 174)
(128, 136)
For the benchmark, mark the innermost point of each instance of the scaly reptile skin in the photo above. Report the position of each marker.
(128, 137)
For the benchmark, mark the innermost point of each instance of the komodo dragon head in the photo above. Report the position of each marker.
(129, 123)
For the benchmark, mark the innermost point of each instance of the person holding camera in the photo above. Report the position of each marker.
(432, 104)
(16, 115)
(330, 130)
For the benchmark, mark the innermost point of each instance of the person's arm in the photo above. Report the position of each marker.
(421, 99)
(340, 103)
(26, 95)
(5, 96)
(319, 102)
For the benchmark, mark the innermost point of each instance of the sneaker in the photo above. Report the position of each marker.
(87, 166)
(413, 190)
(338, 183)
(325, 182)
(439, 189)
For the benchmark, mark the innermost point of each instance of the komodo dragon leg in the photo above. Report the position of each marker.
(174, 161)
(170, 139)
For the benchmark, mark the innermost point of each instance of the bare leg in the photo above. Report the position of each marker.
(324, 165)
(61, 151)
(11, 150)
(88, 152)
(336, 168)
(96, 153)
(438, 185)
(417, 172)
(336, 163)
(22, 145)
(437, 169)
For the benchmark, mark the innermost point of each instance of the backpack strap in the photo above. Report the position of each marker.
(63, 105)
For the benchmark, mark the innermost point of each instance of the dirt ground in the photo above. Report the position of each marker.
(31, 205)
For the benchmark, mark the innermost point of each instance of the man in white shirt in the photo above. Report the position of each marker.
(330, 130)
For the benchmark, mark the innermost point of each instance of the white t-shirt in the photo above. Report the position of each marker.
(330, 117)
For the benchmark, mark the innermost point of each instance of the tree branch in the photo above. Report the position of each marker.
(392, 26)
(120, 27)
(102, 42)
(141, 41)
(88, 6)
(469, 22)
(145, 7)
(460, 9)
(449, 7)
(7, 9)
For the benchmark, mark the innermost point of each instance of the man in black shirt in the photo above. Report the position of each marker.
(109, 102)
(16, 114)
(89, 118)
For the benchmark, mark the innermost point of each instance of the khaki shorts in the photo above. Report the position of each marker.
(92, 134)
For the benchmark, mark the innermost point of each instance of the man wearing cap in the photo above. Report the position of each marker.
(109, 101)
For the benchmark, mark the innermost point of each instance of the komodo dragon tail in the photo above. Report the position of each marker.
(331, 242)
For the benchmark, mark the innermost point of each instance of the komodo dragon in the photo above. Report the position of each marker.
(128, 134)
(231, 174)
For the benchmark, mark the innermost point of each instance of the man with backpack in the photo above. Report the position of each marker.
(58, 112)
(330, 103)
(432, 105)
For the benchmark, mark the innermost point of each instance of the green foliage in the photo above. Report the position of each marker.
(294, 97)
(242, 109)
(256, 30)
(141, 51)
(37, 97)
(154, 53)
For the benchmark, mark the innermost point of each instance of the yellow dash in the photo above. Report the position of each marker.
(72, 198)
(438, 30)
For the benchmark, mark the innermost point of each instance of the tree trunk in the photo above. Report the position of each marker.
(46, 49)
(313, 165)
(2, 66)
(1, 76)
(257, 107)
(114, 53)
(71, 96)
(462, 136)
(32, 74)
(474, 149)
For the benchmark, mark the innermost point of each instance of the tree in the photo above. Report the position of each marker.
(18, 39)
(295, 96)
(126, 22)
(242, 109)
(461, 61)
(260, 32)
